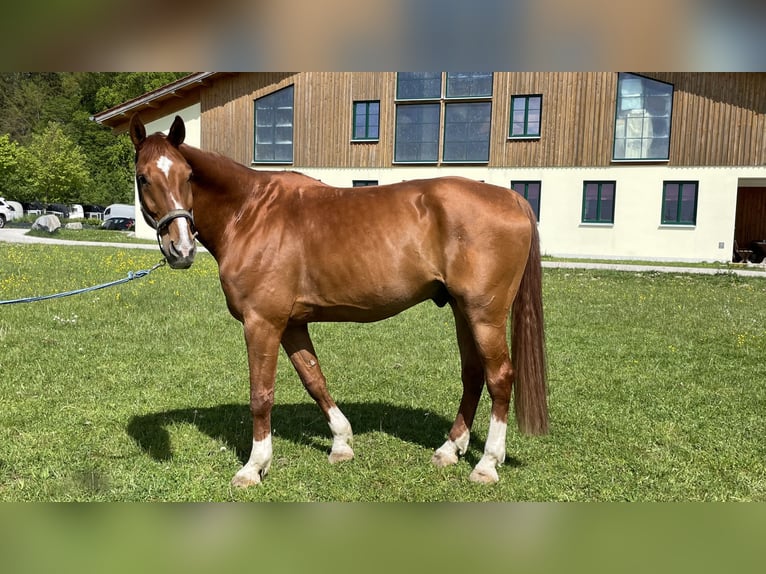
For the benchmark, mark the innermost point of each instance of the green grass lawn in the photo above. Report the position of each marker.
(139, 392)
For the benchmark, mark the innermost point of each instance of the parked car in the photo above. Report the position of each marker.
(33, 207)
(58, 209)
(76, 211)
(6, 212)
(18, 209)
(93, 211)
(120, 210)
(119, 223)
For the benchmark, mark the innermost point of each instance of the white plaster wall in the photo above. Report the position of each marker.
(637, 232)
(191, 118)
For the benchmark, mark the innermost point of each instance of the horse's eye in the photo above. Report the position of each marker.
(141, 179)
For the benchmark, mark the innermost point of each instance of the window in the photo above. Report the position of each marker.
(465, 105)
(526, 113)
(642, 120)
(418, 85)
(598, 202)
(679, 202)
(366, 120)
(466, 132)
(364, 182)
(417, 133)
(469, 84)
(274, 127)
(530, 190)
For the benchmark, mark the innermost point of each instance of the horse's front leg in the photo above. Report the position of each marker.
(262, 340)
(298, 346)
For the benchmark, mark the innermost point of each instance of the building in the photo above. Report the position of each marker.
(656, 166)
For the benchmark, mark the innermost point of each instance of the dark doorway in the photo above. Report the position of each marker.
(750, 224)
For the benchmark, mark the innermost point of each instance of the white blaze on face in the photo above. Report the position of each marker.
(185, 237)
(164, 164)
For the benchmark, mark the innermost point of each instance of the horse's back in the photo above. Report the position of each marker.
(372, 252)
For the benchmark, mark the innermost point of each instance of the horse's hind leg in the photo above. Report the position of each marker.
(493, 347)
(472, 374)
(299, 348)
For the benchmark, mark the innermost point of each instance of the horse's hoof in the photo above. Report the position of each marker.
(245, 479)
(484, 475)
(341, 454)
(442, 458)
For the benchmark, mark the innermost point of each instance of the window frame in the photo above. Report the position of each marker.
(443, 132)
(484, 96)
(257, 160)
(678, 219)
(422, 104)
(526, 135)
(367, 137)
(364, 182)
(599, 220)
(622, 76)
(525, 194)
(400, 98)
(443, 101)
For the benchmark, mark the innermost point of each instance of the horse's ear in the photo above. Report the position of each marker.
(137, 131)
(177, 132)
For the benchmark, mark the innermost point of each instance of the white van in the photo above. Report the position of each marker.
(120, 210)
(11, 209)
(18, 209)
(76, 212)
(6, 212)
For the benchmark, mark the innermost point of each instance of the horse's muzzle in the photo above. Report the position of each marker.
(180, 248)
(181, 255)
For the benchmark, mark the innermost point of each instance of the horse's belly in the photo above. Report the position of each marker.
(363, 307)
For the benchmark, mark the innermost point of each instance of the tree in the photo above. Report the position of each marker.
(54, 168)
(126, 85)
(9, 164)
(113, 183)
(30, 101)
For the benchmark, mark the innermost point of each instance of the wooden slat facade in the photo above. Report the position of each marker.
(719, 119)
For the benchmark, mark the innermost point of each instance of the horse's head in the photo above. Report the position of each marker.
(164, 190)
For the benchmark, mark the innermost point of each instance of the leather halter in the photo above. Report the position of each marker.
(165, 220)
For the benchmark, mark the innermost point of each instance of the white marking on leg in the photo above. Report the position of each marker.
(495, 446)
(257, 466)
(164, 164)
(494, 453)
(447, 453)
(461, 443)
(341, 436)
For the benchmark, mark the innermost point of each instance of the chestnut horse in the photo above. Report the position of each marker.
(292, 250)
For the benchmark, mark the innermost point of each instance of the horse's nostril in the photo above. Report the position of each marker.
(183, 251)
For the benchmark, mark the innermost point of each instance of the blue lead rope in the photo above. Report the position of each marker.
(131, 275)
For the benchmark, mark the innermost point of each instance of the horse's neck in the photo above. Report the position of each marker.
(220, 187)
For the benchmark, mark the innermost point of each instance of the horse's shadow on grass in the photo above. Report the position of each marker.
(301, 423)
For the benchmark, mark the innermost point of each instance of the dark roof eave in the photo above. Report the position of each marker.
(116, 114)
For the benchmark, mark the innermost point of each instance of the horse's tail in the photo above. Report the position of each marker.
(528, 344)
